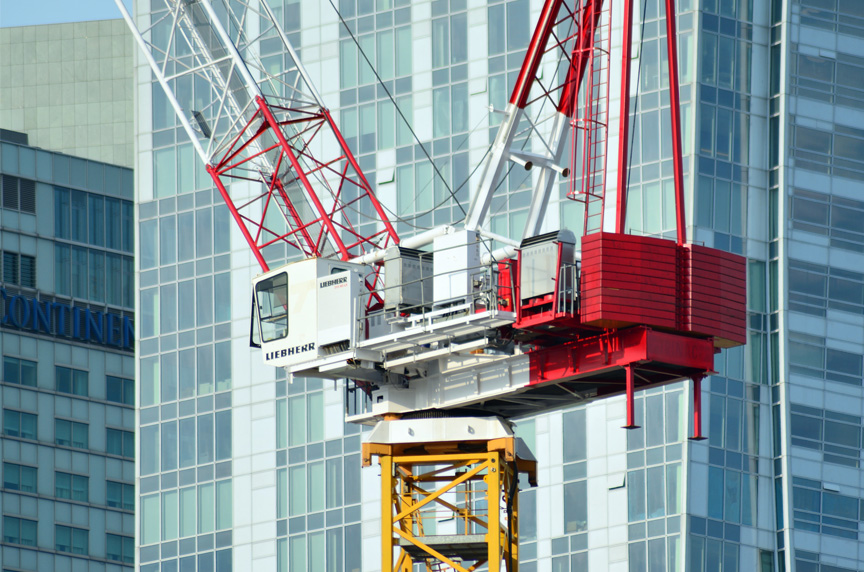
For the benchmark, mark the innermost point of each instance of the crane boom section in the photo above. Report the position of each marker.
(247, 103)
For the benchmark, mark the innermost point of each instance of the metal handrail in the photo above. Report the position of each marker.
(568, 289)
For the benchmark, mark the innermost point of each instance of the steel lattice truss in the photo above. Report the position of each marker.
(252, 114)
(564, 80)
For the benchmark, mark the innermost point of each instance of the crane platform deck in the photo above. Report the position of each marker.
(461, 546)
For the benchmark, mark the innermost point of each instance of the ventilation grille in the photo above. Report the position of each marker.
(28, 271)
(10, 268)
(19, 194)
(27, 201)
(10, 192)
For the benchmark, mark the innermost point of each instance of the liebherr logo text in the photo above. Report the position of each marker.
(289, 351)
(335, 281)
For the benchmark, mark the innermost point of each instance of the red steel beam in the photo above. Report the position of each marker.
(535, 52)
(366, 187)
(697, 409)
(581, 54)
(301, 175)
(630, 391)
(624, 118)
(674, 102)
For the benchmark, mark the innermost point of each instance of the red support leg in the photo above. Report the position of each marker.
(631, 407)
(697, 409)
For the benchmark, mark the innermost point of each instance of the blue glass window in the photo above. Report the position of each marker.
(19, 424)
(19, 477)
(71, 539)
(121, 443)
(19, 531)
(72, 487)
(20, 371)
(120, 548)
(61, 213)
(120, 390)
(71, 434)
(74, 381)
(120, 495)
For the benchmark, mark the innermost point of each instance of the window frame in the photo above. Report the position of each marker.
(78, 381)
(19, 540)
(73, 478)
(127, 441)
(127, 553)
(273, 324)
(75, 428)
(17, 363)
(19, 468)
(75, 533)
(20, 432)
(126, 492)
(126, 389)
(16, 275)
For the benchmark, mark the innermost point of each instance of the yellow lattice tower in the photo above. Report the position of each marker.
(449, 492)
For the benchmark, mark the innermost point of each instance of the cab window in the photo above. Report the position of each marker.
(271, 296)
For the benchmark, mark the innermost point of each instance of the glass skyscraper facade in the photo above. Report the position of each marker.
(67, 340)
(241, 468)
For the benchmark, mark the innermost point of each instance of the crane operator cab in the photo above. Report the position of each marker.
(307, 310)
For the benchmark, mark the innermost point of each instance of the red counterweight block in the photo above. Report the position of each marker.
(715, 287)
(628, 280)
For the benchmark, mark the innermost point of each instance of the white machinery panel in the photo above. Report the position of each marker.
(539, 263)
(457, 259)
(408, 276)
(337, 311)
(453, 380)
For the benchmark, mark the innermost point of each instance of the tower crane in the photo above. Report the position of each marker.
(443, 337)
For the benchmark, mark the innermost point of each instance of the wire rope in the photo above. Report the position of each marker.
(398, 109)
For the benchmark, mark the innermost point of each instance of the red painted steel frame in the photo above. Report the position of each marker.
(640, 351)
(323, 212)
(536, 50)
(624, 119)
(365, 184)
(326, 220)
(630, 390)
(581, 53)
(624, 130)
(675, 105)
(544, 41)
(617, 349)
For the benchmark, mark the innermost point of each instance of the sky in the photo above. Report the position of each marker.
(33, 12)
